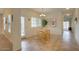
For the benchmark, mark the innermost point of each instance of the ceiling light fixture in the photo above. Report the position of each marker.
(42, 14)
(67, 14)
(67, 8)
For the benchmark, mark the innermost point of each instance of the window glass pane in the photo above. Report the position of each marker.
(22, 26)
(36, 22)
(9, 23)
(4, 23)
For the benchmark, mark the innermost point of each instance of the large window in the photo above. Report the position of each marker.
(22, 26)
(36, 22)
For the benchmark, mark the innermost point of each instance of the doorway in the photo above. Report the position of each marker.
(66, 25)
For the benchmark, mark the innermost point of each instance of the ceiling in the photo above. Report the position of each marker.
(46, 9)
(49, 11)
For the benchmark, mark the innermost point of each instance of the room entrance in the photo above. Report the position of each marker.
(66, 25)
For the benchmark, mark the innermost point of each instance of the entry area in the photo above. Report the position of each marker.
(50, 37)
(39, 29)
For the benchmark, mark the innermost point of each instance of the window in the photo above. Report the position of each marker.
(4, 23)
(36, 22)
(9, 23)
(22, 26)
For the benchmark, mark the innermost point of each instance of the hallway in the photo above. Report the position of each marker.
(56, 43)
(69, 42)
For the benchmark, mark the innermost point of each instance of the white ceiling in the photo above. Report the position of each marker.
(40, 10)
(49, 11)
(53, 10)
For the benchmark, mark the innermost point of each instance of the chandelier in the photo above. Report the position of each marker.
(42, 14)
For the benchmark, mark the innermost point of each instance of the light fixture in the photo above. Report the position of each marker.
(68, 14)
(42, 14)
(67, 8)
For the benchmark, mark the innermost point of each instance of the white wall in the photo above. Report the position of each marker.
(75, 25)
(59, 23)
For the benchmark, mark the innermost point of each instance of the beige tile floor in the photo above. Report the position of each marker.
(55, 43)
